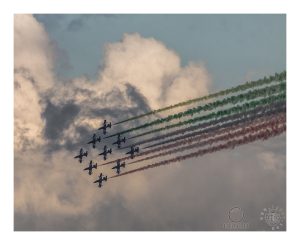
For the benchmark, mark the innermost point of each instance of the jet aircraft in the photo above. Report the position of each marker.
(81, 155)
(132, 151)
(119, 141)
(94, 140)
(105, 126)
(90, 167)
(105, 152)
(119, 166)
(100, 179)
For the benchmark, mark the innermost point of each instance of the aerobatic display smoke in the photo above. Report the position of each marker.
(214, 115)
(261, 135)
(229, 133)
(260, 110)
(250, 95)
(242, 87)
(211, 132)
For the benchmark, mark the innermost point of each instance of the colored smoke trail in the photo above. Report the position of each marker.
(248, 96)
(242, 87)
(213, 139)
(269, 108)
(262, 135)
(214, 115)
(222, 126)
(245, 119)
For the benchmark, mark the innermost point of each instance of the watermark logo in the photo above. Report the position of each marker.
(236, 218)
(274, 217)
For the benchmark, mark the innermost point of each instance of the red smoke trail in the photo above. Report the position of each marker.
(262, 135)
(259, 111)
(189, 139)
(213, 139)
(258, 116)
(222, 126)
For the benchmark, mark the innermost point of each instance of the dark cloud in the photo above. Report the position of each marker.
(58, 118)
(136, 97)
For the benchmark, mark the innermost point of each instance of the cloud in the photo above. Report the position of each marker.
(32, 51)
(53, 119)
(152, 68)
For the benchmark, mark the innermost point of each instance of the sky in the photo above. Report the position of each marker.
(77, 70)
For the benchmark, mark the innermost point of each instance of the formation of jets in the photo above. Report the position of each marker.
(94, 141)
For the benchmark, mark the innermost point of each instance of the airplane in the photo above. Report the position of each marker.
(119, 141)
(118, 166)
(94, 140)
(100, 179)
(90, 167)
(105, 126)
(81, 155)
(132, 151)
(105, 152)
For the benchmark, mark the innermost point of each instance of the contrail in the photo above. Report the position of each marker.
(242, 87)
(262, 135)
(256, 115)
(214, 115)
(253, 112)
(250, 95)
(241, 131)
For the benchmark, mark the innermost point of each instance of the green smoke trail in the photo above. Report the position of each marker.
(245, 119)
(214, 115)
(245, 86)
(247, 114)
(222, 126)
(261, 135)
(233, 132)
(250, 95)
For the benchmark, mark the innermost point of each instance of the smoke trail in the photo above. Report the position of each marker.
(214, 115)
(262, 135)
(262, 114)
(254, 112)
(257, 117)
(224, 125)
(245, 86)
(250, 95)
(241, 131)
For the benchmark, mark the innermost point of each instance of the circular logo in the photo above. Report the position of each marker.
(273, 217)
(236, 214)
